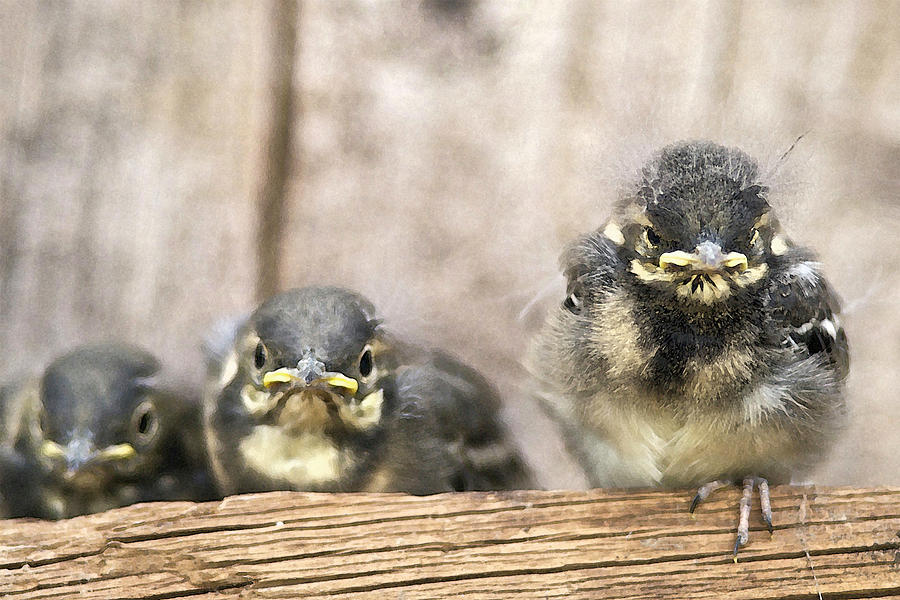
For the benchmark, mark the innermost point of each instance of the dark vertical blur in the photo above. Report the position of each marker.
(284, 113)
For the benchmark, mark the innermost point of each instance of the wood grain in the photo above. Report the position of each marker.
(837, 542)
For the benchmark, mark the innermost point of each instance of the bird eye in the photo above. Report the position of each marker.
(259, 356)
(145, 422)
(651, 237)
(366, 362)
(573, 301)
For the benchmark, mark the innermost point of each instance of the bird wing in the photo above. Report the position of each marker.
(801, 301)
(183, 454)
(463, 409)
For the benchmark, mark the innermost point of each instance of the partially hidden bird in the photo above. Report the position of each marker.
(97, 431)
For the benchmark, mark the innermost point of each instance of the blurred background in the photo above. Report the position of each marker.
(165, 165)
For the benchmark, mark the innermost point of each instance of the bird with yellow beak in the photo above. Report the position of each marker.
(696, 344)
(95, 432)
(312, 394)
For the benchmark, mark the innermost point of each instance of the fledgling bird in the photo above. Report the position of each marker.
(697, 345)
(314, 395)
(94, 432)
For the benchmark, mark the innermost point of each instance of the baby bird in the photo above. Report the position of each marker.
(94, 433)
(697, 345)
(314, 395)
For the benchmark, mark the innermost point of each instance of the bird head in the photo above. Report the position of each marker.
(99, 419)
(693, 236)
(311, 360)
(697, 224)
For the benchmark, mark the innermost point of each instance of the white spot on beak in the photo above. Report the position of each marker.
(708, 255)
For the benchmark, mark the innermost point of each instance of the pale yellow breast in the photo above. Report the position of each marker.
(304, 460)
(633, 448)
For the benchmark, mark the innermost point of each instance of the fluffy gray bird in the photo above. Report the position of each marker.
(94, 433)
(696, 345)
(314, 395)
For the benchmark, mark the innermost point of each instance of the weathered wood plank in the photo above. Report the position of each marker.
(596, 544)
(437, 156)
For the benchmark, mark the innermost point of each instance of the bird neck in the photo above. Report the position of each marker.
(701, 355)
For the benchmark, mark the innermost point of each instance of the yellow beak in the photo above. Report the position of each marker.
(279, 376)
(291, 376)
(52, 450)
(118, 452)
(697, 262)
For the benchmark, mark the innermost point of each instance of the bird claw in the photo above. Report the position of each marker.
(696, 501)
(737, 546)
(743, 532)
(705, 490)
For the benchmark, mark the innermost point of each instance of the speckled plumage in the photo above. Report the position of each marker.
(94, 432)
(419, 421)
(696, 342)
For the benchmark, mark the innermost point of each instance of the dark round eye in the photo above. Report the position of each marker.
(145, 421)
(259, 356)
(573, 302)
(366, 363)
(652, 237)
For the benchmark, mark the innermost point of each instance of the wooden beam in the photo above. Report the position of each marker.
(828, 542)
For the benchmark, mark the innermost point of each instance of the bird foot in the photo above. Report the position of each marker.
(743, 532)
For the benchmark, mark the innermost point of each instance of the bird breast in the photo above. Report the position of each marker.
(670, 364)
(631, 446)
(304, 460)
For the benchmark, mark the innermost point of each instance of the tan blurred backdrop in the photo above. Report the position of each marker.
(168, 164)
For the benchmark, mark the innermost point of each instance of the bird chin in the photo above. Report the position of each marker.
(708, 288)
(311, 411)
(84, 481)
(705, 288)
(323, 411)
